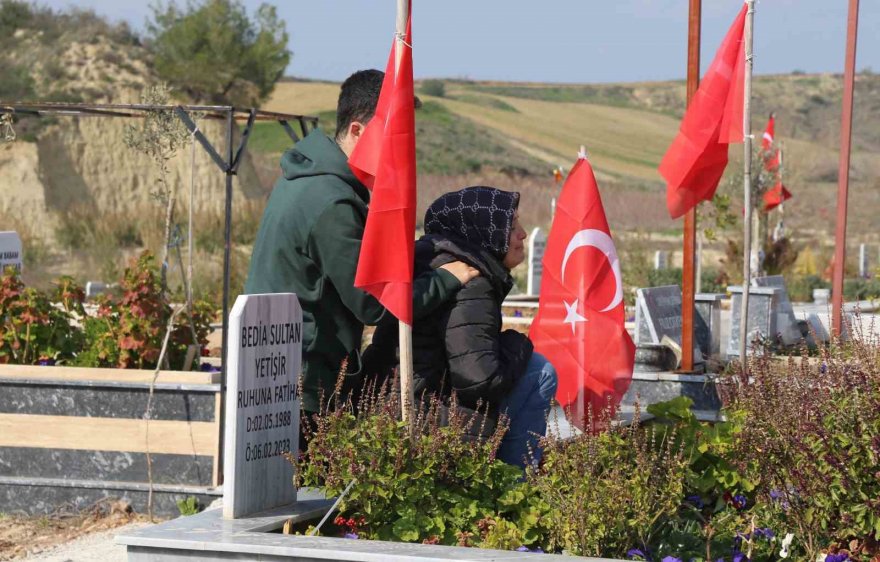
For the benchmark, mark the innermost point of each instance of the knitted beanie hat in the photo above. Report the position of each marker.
(481, 216)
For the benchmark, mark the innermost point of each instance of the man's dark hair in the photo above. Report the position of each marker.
(357, 99)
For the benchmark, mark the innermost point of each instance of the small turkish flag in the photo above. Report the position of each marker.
(579, 327)
(771, 160)
(775, 196)
(694, 163)
(769, 132)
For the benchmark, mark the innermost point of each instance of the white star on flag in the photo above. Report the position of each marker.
(572, 316)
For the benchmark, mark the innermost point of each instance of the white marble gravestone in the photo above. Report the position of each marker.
(863, 261)
(661, 259)
(786, 323)
(537, 244)
(10, 251)
(262, 406)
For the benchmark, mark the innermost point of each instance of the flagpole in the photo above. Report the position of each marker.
(404, 329)
(843, 171)
(690, 218)
(747, 187)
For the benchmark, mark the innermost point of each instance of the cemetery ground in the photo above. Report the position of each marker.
(67, 536)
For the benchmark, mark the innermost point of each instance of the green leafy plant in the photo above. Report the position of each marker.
(610, 490)
(432, 482)
(127, 332)
(434, 87)
(32, 330)
(189, 506)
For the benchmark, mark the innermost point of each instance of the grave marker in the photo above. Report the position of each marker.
(762, 315)
(786, 322)
(864, 273)
(537, 244)
(658, 314)
(10, 251)
(661, 259)
(262, 406)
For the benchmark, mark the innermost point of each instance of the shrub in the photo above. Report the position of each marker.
(33, 331)
(429, 483)
(813, 433)
(434, 87)
(128, 332)
(609, 491)
(800, 288)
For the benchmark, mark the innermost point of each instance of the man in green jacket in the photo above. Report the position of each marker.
(310, 239)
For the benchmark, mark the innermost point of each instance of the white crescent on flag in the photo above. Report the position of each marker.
(602, 242)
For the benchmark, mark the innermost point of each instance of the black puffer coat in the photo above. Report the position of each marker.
(460, 347)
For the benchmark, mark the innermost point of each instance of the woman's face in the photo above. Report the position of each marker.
(516, 248)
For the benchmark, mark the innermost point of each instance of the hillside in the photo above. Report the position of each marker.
(626, 129)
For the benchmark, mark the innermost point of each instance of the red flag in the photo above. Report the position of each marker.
(385, 160)
(771, 160)
(695, 161)
(775, 196)
(769, 133)
(580, 322)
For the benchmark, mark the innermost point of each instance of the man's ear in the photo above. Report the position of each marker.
(355, 130)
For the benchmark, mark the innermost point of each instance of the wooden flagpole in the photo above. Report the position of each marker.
(404, 329)
(690, 218)
(843, 171)
(747, 187)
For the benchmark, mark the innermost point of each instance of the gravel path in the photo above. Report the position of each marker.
(94, 547)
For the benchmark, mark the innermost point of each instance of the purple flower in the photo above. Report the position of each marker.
(775, 495)
(634, 553)
(208, 368)
(840, 557)
(671, 559)
(48, 362)
(350, 536)
(739, 557)
(697, 501)
(538, 550)
(522, 548)
(517, 314)
(765, 532)
(739, 501)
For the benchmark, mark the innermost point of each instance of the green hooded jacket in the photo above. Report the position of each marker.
(308, 243)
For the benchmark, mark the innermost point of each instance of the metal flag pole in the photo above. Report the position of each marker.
(404, 329)
(843, 172)
(690, 218)
(747, 187)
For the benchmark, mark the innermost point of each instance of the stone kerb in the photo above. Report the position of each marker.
(262, 405)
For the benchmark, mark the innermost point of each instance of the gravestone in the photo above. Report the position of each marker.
(762, 315)
(10, 251)
(863, 261)
(707, 323)
(95, 288)
(658, 314)
(262, 406)
(537, 244)
(821, 296)
(786, 322)
(661, 259)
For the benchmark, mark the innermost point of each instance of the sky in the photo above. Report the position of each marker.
(574, 41)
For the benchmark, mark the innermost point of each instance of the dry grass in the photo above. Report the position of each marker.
(303, 98)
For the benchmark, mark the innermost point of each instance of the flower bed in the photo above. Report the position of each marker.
(127, 332)
(791, 474)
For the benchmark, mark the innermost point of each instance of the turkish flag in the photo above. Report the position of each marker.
(579, 327)
(771, 160)
(385, 160)
(695, 162)
(769, 132)
(775, 196)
